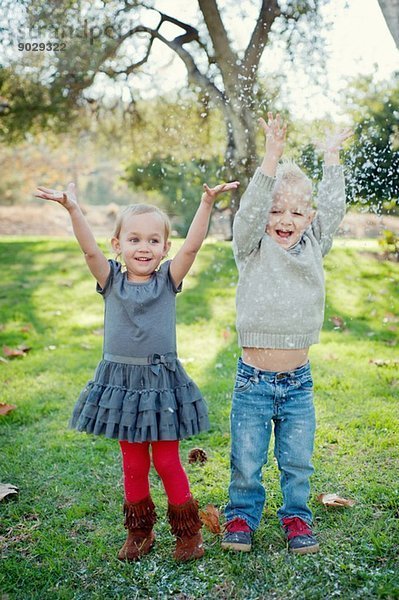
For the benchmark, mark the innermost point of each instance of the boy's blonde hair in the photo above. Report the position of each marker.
(290, 173)
(141, 209)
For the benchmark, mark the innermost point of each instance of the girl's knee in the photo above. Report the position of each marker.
(166, 458)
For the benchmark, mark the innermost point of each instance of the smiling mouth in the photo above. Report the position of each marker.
(143, 259)
(285, 235)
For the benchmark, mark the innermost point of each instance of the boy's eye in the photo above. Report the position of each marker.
(275, 212)
(298, 214)
(154, 241)
(134, 239)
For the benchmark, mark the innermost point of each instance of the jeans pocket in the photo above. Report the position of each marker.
(306, 383)
(242, 383)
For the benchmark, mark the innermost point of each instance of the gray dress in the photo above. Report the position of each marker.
(140, 391)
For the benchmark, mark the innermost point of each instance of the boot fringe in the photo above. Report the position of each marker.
(139, 515)
(183, 518)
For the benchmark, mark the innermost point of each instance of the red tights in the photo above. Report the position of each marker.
(136, 467)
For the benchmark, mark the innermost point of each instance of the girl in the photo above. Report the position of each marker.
(140, 393)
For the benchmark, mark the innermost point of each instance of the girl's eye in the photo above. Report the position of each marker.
(276, 212)
(298, 214)
(134, 240)
(154, 241)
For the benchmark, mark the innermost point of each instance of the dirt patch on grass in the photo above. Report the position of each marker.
(53, 220)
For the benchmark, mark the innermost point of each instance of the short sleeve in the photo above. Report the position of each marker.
(114, 273)
(164, 270)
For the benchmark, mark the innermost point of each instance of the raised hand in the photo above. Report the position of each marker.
(210, 194)
(66, 198)
(332, 144)
(275, 132)
(333, 140)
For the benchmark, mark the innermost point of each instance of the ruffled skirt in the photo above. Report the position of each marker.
(138, 403)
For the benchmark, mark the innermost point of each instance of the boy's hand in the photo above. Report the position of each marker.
(332, 144)
(66, 198)
(210, 194)
(275, 132)
(333, 140)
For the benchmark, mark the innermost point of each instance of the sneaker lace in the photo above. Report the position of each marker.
(237, 524)
(294, 526)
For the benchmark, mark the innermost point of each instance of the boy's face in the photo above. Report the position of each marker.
(290, 215)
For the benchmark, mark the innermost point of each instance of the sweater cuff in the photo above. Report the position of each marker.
(263, 181)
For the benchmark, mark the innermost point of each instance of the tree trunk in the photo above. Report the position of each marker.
(390, 10)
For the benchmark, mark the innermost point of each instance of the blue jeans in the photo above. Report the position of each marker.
(260, 398)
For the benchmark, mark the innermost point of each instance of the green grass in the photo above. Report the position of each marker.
(60, 537)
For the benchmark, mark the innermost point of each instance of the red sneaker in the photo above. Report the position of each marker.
(299, 536)
(238, 536)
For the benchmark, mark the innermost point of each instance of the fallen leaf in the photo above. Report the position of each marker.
(226, 333)
(7, 490)
(390, 318)
(6, 408)
(12, 352)
(24, 348)
(338, 322)
(380, 362)
(197, 455)
(210, 518)
(334, 500)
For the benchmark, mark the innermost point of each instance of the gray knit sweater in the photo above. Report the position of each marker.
(281, 293)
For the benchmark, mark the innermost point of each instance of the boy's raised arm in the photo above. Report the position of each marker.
(251, 218)
(95, 259)
(331, 194)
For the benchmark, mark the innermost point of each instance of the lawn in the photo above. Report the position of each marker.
(60, 537)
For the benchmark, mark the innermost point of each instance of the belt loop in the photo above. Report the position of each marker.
(256, 375)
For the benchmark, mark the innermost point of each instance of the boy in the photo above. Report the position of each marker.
(280, 309)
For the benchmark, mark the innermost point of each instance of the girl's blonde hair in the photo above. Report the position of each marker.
(289, 172)
(141, 209)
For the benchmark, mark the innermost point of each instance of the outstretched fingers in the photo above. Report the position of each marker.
(221, 188)
(274, 127)
(333, 139)
(49, 194)
(65, 197)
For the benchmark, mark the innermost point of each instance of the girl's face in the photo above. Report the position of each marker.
(290, 215)
(142, 244)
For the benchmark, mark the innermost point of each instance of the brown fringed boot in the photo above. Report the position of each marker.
(139, 521)
(185, 524)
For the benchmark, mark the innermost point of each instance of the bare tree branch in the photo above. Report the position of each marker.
(267, 14)
(191, 34)
(194, 74)
(224, 55)
(134, 66)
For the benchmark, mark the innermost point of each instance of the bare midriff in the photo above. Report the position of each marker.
(272, 359)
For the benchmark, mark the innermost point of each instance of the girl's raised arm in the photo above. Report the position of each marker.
(183, 260)
(95, 259)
